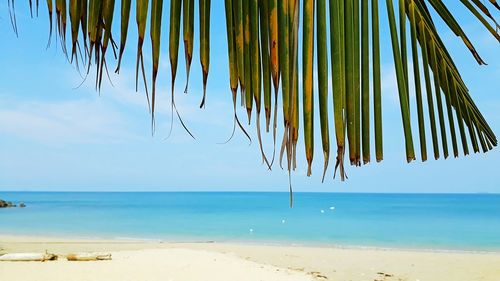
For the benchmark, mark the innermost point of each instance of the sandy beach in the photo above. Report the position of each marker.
(156, 260)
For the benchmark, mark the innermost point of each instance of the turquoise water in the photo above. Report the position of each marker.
(444, 221)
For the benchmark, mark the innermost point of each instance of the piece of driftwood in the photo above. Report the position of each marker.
(88, 257)
(28, 257)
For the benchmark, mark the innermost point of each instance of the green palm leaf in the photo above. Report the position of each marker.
(263, 44)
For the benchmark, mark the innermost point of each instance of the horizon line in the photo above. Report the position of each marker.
(243, 191)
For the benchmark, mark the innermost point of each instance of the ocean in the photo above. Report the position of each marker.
(415, 221)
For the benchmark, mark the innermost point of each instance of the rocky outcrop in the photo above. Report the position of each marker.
(8, 204)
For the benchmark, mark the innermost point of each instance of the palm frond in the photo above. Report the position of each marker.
(263, 46)
(188, 35)
(125, 17)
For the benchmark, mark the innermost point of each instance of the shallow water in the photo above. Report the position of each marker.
(430, 221)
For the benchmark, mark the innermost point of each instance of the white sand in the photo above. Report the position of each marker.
(151, 265)
(150, 261)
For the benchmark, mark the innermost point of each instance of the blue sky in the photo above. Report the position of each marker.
(55, 136)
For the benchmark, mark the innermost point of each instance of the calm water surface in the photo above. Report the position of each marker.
(440, 221)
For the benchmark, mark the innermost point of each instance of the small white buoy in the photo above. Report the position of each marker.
(332, 208)
(322, 211)
(251, 229)
(283, 221)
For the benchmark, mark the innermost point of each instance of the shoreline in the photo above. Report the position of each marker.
(135, 240)
(257, 261)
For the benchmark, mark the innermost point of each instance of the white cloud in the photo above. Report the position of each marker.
(111, 116)
(63, 122)
(123, 93)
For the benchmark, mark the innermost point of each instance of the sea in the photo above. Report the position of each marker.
(464, 222)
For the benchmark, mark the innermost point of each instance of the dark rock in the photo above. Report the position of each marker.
(6, 204)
